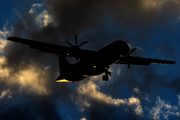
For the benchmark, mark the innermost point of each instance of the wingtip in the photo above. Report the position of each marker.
(171, 62)
(10, 38)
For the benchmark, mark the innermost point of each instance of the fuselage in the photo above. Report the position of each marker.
(96, 64)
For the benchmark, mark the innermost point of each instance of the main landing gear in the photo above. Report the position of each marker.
(106, 77)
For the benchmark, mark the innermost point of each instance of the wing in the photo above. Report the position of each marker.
(142, 61)
(51, 48)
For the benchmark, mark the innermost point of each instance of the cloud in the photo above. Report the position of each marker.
(91, 92)
(33, 79)
(136, 90)
(30, 78)
(6, 93)
(152, 4)
(5, 72)
(43, 19)
(83, 118)
(3, 35)
(31, 75)
(35, 6)
(163, 109)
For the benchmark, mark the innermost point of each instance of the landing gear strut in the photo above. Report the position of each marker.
(106, 77)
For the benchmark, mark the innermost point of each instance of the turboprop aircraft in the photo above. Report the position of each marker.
(91, 63)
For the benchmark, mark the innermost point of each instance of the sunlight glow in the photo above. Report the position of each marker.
(63, 80)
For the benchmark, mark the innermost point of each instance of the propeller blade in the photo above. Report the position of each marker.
(128, 66)
(76, 39)
(131, 52)
(77, 59)
(76, 48)
(83, 43)
(69, 43)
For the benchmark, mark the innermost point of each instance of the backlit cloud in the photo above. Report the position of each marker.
(34, 7)
(163, 109)
(6, 93)
(31, 79)
(4, 33)
(83, 118)
(42, 17)
(91, 91)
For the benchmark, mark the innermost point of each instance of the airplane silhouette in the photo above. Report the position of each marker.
(91, 63)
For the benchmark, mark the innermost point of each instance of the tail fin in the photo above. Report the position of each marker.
(63, 64)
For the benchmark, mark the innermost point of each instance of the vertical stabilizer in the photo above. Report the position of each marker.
(63, 64)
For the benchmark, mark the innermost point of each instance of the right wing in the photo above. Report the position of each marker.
(52, 48)
(130, 60)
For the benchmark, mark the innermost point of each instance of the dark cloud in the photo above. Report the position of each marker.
(37, 107)
(100, 22)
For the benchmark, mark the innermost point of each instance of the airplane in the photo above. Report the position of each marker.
(91, 63)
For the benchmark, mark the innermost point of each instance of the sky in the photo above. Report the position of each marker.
(27, 78)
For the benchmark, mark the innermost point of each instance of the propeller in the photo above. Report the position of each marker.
(131, 52)
(76, 47)
(129, 55)
(109, 73)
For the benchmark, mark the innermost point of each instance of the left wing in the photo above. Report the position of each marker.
(52, 48)
(142, 61)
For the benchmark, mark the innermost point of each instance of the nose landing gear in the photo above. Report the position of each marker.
(106, 77)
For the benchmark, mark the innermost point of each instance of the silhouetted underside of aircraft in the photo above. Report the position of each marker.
(91, 63)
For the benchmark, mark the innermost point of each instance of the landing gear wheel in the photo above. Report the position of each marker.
(105, 78)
